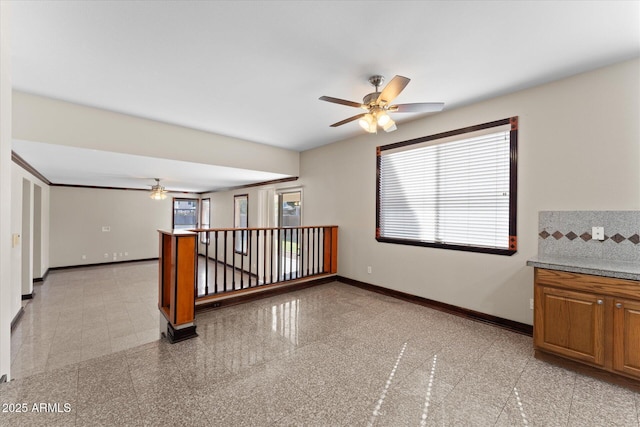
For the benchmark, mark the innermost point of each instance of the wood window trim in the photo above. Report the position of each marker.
(513, 186)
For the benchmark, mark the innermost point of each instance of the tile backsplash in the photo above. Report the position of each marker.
(568, 233)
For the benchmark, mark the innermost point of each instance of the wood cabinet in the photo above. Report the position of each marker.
(626, 336)
(591, 319)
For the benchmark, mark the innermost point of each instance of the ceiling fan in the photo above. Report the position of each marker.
(377, 105)
(158, 192)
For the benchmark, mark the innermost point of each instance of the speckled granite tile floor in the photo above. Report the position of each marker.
(331, 355)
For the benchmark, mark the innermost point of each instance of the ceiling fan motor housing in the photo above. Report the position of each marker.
(370, 99)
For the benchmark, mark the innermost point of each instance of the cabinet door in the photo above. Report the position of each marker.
(626, 336)
(570, 323)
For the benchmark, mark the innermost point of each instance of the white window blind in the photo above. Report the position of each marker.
(452, 193)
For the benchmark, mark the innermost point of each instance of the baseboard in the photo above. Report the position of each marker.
(28, 296)
(100, 264)
(17, 318)
(521, 328)
(41, 279)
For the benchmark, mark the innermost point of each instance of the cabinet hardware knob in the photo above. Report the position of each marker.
(619, 305)
(600, 302)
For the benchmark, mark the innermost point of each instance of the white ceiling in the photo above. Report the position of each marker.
(254, 70)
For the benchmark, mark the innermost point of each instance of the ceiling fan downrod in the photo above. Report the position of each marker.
(371, 99)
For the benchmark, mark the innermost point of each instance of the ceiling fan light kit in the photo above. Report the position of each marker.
(158, 192)
(377, 105)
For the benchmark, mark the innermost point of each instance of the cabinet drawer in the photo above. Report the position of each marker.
(587, 283)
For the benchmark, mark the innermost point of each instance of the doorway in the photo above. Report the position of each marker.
(289, 216)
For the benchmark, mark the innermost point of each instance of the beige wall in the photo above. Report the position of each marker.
(78, 215)
(579, 149)
(40, 119)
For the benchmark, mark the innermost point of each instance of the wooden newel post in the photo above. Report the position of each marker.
(176, 284)
(330, 249)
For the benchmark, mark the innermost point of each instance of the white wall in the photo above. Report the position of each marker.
(5, 189)
(78, 215)
(579, 148)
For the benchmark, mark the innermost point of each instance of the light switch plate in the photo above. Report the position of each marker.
(597, 233)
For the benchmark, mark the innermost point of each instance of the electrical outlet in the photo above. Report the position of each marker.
(84, 257)
(106, 228)
(369, 269)
(531, 303)
(106, 255)
(597, 233)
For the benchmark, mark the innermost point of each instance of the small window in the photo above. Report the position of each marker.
(205, 218)
(185, 213)
(240, 220)
(454, 190)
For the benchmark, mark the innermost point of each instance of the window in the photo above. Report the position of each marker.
(185, 213)
(205, 218)
(240, 220)
(454, 190)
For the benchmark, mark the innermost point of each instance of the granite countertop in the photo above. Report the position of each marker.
(597, 267)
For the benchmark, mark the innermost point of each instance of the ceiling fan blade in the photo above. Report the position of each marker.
(393, 89)
(350, 119)
(340, 101)
(418, 107)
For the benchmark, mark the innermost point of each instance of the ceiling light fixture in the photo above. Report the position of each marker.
(389, 126)
(157, 191)
(383, 118)
(378, 105)
(368, 123)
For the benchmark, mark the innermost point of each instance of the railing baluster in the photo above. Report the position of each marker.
(290, 253)
(307, 251)
(243, 246)
(302, 247)
(297, 253)
(271, 255)
(278, 255)
(206, 263)
(233, 260)
(321, 250)
(264, 258)
(226, 249)
(250, 247)
(215, 271)
(313, 252)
